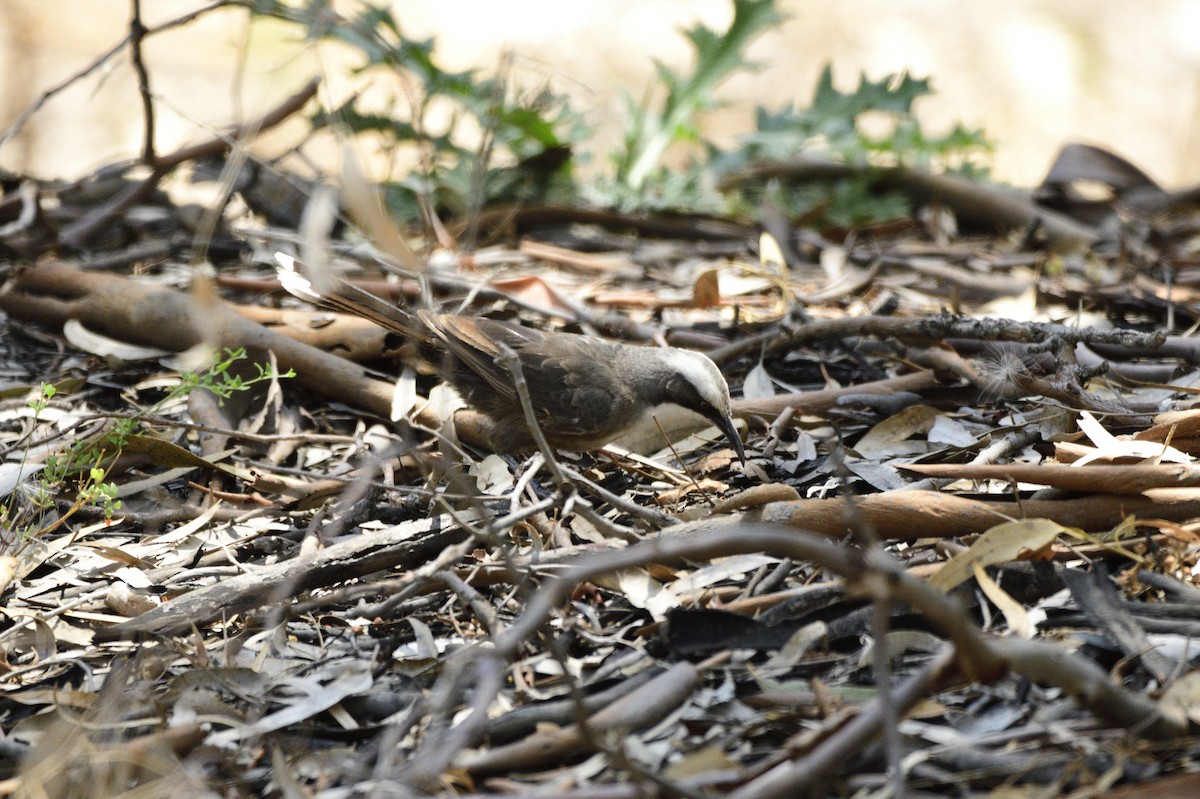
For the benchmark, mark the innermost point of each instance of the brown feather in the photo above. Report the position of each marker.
(585, 391)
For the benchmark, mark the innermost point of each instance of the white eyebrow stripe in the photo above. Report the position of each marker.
(701, 373)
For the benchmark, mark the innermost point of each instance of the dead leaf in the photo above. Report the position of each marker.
(1000, 544)
(882, 439)
(1014, 614)
(706, 291)
(533, 291)
(770, 255)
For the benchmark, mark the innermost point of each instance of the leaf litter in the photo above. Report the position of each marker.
(302, 595)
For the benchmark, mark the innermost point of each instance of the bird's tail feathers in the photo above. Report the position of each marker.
(338, 295)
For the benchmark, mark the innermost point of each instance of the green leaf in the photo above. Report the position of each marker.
(520, 124)
(718, 55)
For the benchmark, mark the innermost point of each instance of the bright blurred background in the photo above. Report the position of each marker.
(1033, 74)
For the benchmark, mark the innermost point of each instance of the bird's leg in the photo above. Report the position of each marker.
(525, 472)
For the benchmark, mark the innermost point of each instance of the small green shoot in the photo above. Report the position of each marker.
(85, 461)
(218, 380)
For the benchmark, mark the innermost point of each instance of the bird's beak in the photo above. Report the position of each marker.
(726, 426)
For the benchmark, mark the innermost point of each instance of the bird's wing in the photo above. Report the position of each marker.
(551, 363)
(472, 347)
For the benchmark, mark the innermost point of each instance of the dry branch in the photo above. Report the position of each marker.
(910, 515)
(978, 655)
(130, 311)
(817, 402)
(406, 545)
(78, 233)
(932, 329)
(1093, 479)
(644, 707)
(139, 313)
(994, 207)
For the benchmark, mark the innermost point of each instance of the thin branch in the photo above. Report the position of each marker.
(137, 32)
(104, 58)
(931, 328)
(78, 233)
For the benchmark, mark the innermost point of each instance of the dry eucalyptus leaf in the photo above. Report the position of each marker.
(706, 290)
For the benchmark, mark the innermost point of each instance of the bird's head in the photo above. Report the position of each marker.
(694, 382)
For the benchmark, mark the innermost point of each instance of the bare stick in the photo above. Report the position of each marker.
(77, 233)
(137, 32)
(103, 59)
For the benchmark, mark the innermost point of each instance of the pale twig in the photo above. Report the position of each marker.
(655, 518)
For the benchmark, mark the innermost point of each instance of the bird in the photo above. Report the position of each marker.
(585, 391)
